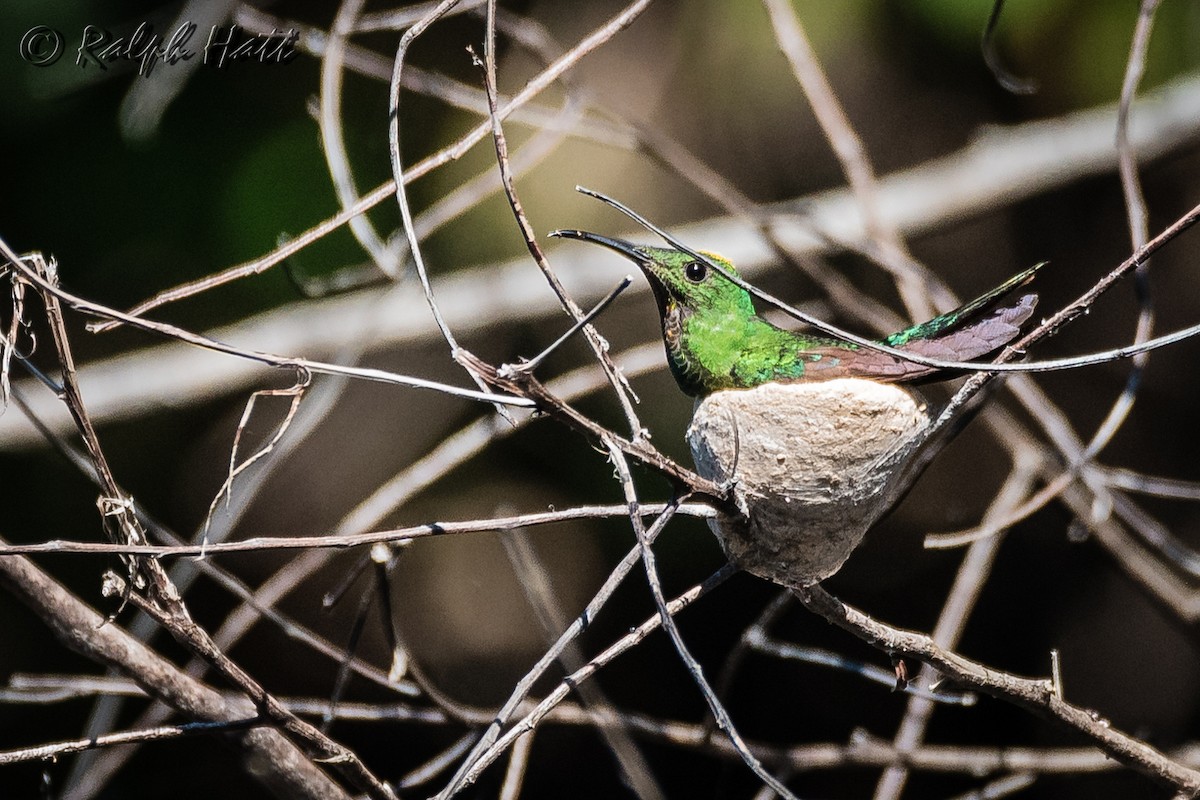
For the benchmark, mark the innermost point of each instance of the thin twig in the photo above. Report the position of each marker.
(1156, 485)
(968, 585)
(436, 765)
(398, 180)
(334, 144)
(1139, 228)
(583, 323)
(339, 541)
(525, 385)
(481, 760)
(595, 341)
(723, 721)
(490, 740)
(991, 57)
(535, 582)
(850, 151)
(760, 642)
(303, 364)
(294, 393)
(159, 734)
(1000, 787)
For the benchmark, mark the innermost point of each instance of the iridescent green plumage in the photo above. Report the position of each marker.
(715, 339)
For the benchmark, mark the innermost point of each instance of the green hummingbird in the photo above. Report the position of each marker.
(716, 340)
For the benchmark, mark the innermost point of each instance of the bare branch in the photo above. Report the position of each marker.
(1037, 696)
(276, 761)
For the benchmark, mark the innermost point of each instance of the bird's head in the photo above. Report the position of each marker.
(682, 284)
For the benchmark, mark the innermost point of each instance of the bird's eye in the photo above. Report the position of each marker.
(696, 271)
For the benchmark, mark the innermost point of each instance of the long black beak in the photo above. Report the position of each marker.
(631, 251)
(627, 249)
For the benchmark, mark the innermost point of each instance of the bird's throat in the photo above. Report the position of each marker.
(686, 369)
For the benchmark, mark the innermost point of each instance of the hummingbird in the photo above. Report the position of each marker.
(716, 340)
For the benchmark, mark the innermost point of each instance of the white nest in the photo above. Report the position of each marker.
(814, 465)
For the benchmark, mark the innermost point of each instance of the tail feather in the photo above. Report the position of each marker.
(964, 314)
(970, 332)
(984, 335)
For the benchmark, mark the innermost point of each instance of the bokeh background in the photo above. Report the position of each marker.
(235, 163)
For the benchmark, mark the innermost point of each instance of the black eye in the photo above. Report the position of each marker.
(696, 271)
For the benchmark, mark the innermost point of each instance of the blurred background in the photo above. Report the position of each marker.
(134, 194)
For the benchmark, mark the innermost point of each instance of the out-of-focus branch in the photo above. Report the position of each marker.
(1002, 166)
(851, 153)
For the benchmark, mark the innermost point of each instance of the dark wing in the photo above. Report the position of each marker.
(984, 335)
(964, 314)
(955, 342)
